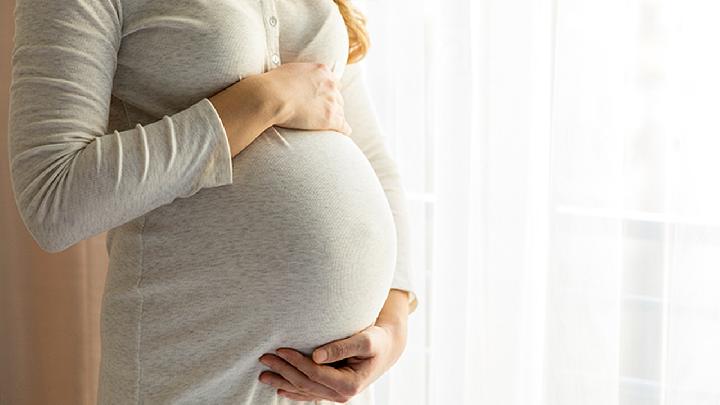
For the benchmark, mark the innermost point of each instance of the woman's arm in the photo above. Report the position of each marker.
(71, 179)
(393, 316)
(296, 95)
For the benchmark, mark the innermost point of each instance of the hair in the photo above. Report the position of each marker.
(357, 33)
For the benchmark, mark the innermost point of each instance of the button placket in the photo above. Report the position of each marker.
(272, 33)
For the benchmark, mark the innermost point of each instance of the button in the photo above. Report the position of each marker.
(276, 59)
(273, 21)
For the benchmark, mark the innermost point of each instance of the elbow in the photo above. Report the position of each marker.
(52, 245)
(41, 201)
(49, 237)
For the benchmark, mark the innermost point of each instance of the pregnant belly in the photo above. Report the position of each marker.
(298, 251)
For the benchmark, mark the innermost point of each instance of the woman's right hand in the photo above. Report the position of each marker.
(308, 96)
(298, 95)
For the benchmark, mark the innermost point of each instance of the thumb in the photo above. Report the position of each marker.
(356, 345)
(347, 130)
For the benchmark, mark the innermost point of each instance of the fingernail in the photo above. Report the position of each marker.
(320, 355)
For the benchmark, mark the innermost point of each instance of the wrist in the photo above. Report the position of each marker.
(397, 336)
(271, 102)
(391, 320)
(245, 112)
(396, 327)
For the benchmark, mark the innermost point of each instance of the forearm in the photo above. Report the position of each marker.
(246, 110)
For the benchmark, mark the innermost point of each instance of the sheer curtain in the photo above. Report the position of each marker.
(561, 158)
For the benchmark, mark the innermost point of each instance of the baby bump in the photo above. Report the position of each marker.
(299, 250)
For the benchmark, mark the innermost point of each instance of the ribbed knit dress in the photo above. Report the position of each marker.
(214, 259)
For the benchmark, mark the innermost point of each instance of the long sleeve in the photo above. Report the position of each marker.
(367, 134)
(72, 180)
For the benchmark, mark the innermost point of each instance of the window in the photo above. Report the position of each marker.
(561, 162)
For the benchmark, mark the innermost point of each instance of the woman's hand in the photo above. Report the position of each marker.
(349, 364)
(296, 95)
(307, 95)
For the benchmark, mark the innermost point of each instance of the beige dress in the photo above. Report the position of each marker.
(214, 259)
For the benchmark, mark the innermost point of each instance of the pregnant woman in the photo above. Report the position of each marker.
(231, 150)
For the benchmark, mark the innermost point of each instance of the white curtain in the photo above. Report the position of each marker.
(562, 159)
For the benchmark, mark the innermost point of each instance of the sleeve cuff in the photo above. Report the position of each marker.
(219, 170)
(406, 286)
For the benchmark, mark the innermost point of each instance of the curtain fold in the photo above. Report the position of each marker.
(561, 158)
(49, 303)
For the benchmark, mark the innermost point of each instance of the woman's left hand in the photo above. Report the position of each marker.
(362, 358)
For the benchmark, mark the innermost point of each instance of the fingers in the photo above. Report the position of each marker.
(314, 93)
(346, 128)
(343, 125)
(295, 396)
(284, 387)
(344, 383)
(336, 116)
(277, 381)
(360, 345)
(336, 102)
(299, 381)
